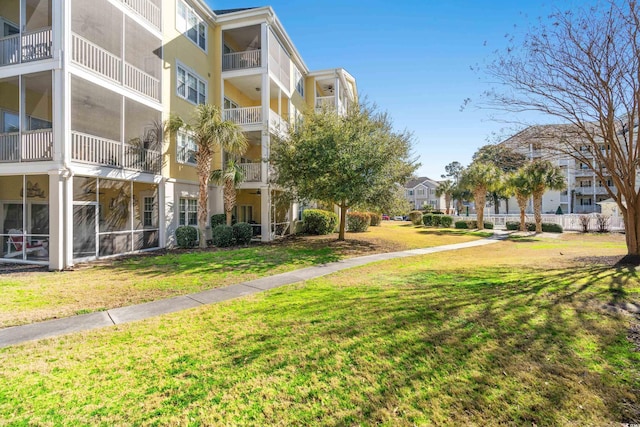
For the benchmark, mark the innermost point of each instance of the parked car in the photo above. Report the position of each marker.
(398, 218)
(385, 217)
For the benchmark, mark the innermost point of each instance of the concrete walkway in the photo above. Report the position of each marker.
(51, 328)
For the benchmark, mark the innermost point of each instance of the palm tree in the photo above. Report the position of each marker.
(445, 188)
(481, 178)
(210, 133)
(230, 178)
(543, 175)
(519, 184)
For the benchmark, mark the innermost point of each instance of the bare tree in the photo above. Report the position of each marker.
(582, 67)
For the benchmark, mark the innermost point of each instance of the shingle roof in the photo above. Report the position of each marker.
(225, 11)
(416, 181)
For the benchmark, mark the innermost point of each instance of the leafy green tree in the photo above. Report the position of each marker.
(507, 160)
(542, 176)
(211, 134)
(446, 188)
(518, 183)
(230, 179)
(480, 178)
(580, 67)
(346, 160)
(453, 170)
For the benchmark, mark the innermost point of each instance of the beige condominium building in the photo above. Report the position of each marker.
(85, 86)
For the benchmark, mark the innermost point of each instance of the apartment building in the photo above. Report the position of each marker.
(584, 190)
(421, 193)
(85, 85)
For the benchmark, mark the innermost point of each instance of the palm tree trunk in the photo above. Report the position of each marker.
(480, 196)
(537, 210)
(447, 202)
(522, 204)
(203, 166)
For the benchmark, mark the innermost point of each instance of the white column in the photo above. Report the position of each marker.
(265, 140)
(170, 202)
(265, 213)
(162, 215)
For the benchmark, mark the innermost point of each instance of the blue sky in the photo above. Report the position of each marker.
(413, 59)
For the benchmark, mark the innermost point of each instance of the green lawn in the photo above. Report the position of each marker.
(514, 333)
(34, 297)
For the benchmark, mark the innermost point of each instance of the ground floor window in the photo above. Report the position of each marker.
(188, 214)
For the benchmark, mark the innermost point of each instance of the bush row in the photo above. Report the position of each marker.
(358, 222)
(437, 220)
(547, 227)
(222, 235)
(471, 224)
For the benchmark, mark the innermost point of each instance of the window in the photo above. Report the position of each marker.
(190, 86)
(10, 122)
(188, 214)
(411, 192)
(585, 184)
(299, 80)
(186, 148)
(420, 191)
(189, 23)
(147, 211)
(584, 166)
(585, 202)
(228, 104)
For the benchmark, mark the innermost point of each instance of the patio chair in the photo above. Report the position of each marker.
(15, 245)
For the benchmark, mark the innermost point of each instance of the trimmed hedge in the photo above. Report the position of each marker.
(471, 224)
(222, 236)
(547, 227)
(218, 219)
(358, 222)
(376, 218)
(186, 236)
(415, 217)
(319, 222)
(446, 221)
(242, 233)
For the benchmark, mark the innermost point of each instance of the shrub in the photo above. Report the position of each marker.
(446, 221)
(319, 222)
(415, 217)
(186, 236)
(585, 221)
(512, 225)
(427, 219)
(242, 233)
(462, 224)
(222, 236)
(602, 222)
(549, 227)
(218, 219)
(488, 225)
(376, 218)
(436, 220)
(358, 222)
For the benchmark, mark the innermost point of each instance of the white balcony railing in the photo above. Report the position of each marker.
(87, 148)
(105, 63)
(251, 171)
(26, 47)
(95, 58)
(36, 145)
(277, 123)
(244, 115)
(325, 102)
(142, 82)
(10, 147)
(241, 60)
(147, 10)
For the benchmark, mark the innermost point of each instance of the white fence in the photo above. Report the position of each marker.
(569, 222)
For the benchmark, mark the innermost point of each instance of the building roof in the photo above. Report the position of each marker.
(226, 11)
(420, 180)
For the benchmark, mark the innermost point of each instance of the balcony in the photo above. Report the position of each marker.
(26, 47)
(242, 60)
(100, 151)
(325, 102)
(146, 10)
(100, 61)
(251, 171)
(33, 146)
(244, 115)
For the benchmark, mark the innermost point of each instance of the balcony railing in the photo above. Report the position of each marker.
(36, 145)
(251, 171)
(105, 63)
(87, 148)
(242, 60)
(325, 102)
(26, 47)
(277, 123)
(244, 115)
(145, 9)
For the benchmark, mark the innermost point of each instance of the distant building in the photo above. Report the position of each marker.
(421, 192)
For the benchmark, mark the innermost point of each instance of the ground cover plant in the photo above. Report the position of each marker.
(33, 296)
(517, 333)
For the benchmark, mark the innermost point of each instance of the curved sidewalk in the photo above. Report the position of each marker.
(51, 328)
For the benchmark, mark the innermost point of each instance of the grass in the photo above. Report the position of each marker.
(31, 297)
(514, 333)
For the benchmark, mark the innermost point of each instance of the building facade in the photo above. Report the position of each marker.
(421, 194)
(86, 170)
